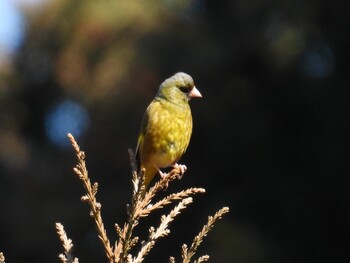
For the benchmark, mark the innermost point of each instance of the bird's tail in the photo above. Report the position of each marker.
(150, 170)
(149, 174)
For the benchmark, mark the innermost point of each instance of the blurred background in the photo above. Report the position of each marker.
(270, 140)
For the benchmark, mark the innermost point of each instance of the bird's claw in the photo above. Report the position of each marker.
(182, 168)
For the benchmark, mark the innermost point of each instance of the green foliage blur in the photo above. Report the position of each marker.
(270, 140)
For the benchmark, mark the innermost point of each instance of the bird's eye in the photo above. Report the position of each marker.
(184, 89)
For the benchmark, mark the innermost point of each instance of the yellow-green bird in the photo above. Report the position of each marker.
(166, 126)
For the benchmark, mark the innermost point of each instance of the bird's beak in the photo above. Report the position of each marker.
(194, 93)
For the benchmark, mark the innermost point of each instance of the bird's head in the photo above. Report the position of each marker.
(178, 89)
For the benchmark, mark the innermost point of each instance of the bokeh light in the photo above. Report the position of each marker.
(318, 62)
(11, 28)
(67, 116)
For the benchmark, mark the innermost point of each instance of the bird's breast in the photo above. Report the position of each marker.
(168, 133)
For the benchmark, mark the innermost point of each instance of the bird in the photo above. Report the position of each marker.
(166, 126)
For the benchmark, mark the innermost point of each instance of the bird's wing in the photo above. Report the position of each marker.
(141, 136)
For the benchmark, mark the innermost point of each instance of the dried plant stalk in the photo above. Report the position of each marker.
(201, 259)
(162, 230)
(187, 254)
(67, 244)
(141, 206)
(90, 198)
(169, 199)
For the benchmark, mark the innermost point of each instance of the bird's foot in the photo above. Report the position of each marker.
(182, 168)
(177, 172)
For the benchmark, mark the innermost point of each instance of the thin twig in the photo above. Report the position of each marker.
(187, 254)
(171, 198)
(126, 242)
(162, 230)
(67, 244)
(201, 259)
(90, 198)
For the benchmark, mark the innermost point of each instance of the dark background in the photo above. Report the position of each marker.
(270, 139)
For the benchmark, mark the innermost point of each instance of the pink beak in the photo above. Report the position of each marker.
(195, 93)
